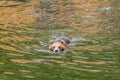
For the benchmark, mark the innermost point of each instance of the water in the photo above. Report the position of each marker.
(92, 55)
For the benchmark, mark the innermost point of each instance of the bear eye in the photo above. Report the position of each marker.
(62, 49)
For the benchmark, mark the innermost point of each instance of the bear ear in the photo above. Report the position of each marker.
(62, 41)
(52, 41)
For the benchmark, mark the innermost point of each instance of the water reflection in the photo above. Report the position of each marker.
(12, 54)
(20, 60)
(10, 73)
(24, 50)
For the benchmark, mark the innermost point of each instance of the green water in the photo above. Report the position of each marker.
(96, 57)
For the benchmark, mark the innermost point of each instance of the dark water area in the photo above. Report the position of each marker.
(92, 25)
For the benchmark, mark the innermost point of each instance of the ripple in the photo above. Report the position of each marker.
(81, 57)
(40, 61)
(2, 63)
(24, 71)
(21, 61)
(7, 47)
(4, 32)
(11, 73)
(89, 70)
(12, 54)
(29, 76)
(15, 38)
(86, 62)
(41, 50)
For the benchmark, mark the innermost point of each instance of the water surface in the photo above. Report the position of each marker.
(94, 55)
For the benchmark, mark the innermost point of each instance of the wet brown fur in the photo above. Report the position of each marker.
(60, 44)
